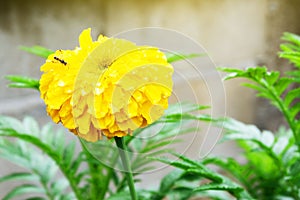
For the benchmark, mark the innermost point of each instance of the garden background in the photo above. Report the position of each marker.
(235, 33)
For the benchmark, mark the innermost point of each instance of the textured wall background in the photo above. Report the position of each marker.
(236, 33)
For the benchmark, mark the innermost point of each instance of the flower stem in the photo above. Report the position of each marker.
(126, 164)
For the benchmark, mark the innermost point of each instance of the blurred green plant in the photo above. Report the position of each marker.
(271, 167)
(270, 170)
(44, 151)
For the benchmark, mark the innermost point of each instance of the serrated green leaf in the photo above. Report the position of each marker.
(272, 77)
(173, 57)
(31, 139)
(211, 175)
(282, 85)
(293, 75)
(230, 165)
(22, 190)
(22, 151)
(291, 96)
(215, 186)
(255, 87)
(291, 50)
(291, 38)
(294, 110)
(37, 50)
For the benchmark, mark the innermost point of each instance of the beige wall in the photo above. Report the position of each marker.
(235, 33)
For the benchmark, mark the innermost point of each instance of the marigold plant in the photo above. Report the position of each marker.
(112, 87)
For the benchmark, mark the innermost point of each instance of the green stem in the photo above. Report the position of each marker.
(126, 164)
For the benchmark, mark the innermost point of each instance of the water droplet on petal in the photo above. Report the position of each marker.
(61, 83)
(97, 91)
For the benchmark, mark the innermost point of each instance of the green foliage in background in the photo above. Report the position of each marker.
(271, 160)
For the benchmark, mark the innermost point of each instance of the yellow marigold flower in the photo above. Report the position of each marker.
(106, 87)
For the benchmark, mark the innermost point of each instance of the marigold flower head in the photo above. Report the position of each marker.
(106, 87)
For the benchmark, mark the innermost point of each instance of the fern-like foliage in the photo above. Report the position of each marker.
(275, 88)
(271, 86)
(89, 174)
(271, 170)
(194, 179)
(291, 49)
(41, 168)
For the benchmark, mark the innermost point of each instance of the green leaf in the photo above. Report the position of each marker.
(291, 96)
(180, 194)
(215, 186)
(59, 186)
(214, 194)
(37, 50)
(291, 50)
(291, 38)
(30, 139)
(231, 166)
(267, 166)
(22, 82)
(197, 169)
(24, 176)
(295, 168)
(31, 126)
(294, 111)
(282, 84)
(35, 198)
(183, 107)
(211, 175)
(267, 83)
(173, 57)
(168, 181)
(22, 190)
(68, 154)
(31, 147)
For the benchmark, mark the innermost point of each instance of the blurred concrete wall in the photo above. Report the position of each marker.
(235, 33)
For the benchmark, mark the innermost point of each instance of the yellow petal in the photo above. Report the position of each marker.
(85, 39)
